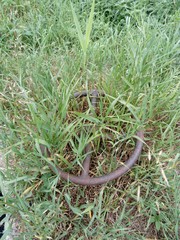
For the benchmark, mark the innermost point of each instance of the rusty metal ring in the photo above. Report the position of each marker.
(84, 178)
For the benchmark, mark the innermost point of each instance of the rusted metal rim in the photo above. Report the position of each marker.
(84, 178)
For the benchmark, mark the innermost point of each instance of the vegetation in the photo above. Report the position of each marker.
(130, 50)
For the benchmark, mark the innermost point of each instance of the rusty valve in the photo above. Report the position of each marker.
(84, 178)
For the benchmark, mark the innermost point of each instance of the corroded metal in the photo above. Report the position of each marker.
(84, 178)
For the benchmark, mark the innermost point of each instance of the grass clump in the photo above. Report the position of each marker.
(133, 57)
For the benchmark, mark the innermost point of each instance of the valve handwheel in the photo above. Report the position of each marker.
(84, 178)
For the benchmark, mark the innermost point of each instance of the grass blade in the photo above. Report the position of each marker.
(89, 24)
(78, 28)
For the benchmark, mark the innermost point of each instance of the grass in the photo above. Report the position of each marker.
(133, 56)
(84, 39)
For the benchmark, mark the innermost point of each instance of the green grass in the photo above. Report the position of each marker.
(133, 56)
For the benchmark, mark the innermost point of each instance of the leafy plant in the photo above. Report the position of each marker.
(84, 39)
